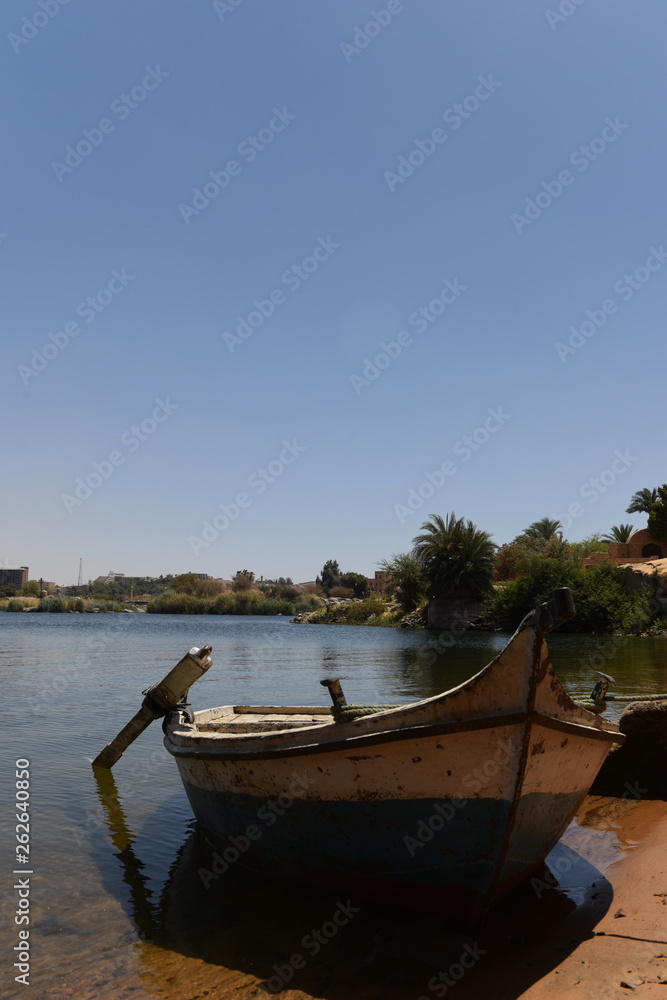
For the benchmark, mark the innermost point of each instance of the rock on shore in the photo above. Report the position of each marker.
(641, 763)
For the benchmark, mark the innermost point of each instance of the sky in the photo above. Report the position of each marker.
(279, 281)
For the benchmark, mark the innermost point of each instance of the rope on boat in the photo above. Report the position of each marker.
(346, 713)
(636, 697)
(587, 702)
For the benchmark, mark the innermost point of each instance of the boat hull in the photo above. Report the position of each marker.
(444, 805)
(419, 823)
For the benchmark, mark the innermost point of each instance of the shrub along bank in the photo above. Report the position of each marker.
(245, 602)
(372, 611)
(60, 605)
(603, 602)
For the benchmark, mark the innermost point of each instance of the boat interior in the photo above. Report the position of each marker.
(260, 719)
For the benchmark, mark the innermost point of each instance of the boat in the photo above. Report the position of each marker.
(441, 805)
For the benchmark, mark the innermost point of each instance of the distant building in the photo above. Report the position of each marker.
(14, 577)
(378, 584)
(109, 578)
(48, 586)
(639, 548)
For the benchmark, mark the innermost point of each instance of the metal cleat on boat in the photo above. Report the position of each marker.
(599, 692)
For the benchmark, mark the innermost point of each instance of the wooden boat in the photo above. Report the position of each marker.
(444, 804)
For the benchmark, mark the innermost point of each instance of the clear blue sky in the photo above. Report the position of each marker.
(332, 110)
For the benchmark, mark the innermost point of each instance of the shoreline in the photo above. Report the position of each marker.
(471, 628)
(629, 943)
(305, 619)
(558, 939)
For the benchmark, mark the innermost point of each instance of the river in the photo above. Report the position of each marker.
(116, 907)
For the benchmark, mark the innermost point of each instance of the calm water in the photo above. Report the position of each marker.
(117, 909)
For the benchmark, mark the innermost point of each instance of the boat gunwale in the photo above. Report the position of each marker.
(222, 751)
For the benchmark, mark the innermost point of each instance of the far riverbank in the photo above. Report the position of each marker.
(387, 614)
(305, 608)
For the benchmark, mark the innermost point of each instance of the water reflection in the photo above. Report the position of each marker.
(142, 911)
(251, 929)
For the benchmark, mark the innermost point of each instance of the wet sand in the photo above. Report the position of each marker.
(600, 919)
(630, 941)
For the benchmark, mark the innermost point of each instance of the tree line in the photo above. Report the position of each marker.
(453, 558)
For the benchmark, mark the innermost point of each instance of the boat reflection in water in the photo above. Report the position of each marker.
(238, 930)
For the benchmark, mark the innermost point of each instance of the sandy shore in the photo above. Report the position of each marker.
(630, 940)
(603, 922)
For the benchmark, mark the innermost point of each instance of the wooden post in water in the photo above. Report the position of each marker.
(158, 701)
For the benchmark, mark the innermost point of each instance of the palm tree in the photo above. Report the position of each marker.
(457, 558)
(543, 530)
(642, 501)
(619, 533)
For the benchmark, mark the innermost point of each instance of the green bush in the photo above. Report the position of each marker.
(242, 602)
(603, 602)
(172, 602)
(16, 605)
(407, 579)
(71, 605)
(354, 613)
(224, 604)
(52, 605)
